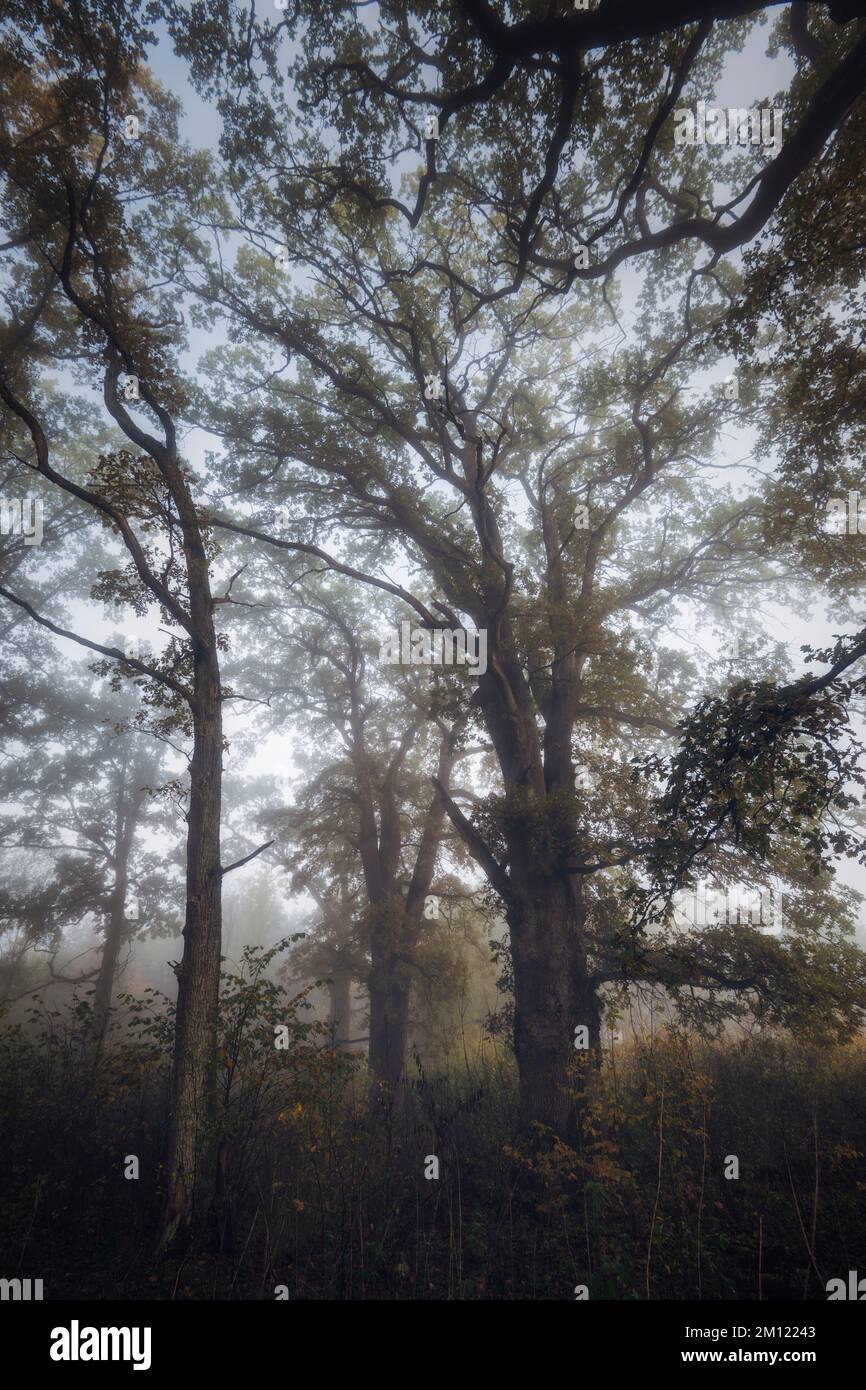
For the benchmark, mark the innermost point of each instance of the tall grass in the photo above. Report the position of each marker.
(324, 1172)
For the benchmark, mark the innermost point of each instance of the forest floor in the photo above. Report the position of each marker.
(726, 1170)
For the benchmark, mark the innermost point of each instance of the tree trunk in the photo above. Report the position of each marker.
(389, 985)
(341, 1010)
(553, 996)
(104, 990)
(396, 925)
(191, 1148)
(124, 830)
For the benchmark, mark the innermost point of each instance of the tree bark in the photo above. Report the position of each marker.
(389, 986)
(191, 1148)
(104, 989)
(124, 830)
(341, 1010)
(395, 933)
(554, 995)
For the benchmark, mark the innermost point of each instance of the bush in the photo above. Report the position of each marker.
(324, 1172)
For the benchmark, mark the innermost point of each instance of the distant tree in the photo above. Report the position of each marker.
(81, 792)
(253, 915)
(367, 819)
(456, 990)
(333, 949)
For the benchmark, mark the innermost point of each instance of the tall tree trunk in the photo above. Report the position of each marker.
(12, 969)
(554, 995)
(395, 932)
(124, 830)
(388, 985)
(191, 1147)
(108, 961)
(341, 1010)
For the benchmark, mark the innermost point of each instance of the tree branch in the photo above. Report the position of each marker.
(239, 863)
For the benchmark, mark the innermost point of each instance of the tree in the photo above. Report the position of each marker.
(558, 496)
(554, 135)
(85, 289)
(569, 530)
(367, 824)
(333, 952)
(83, 789)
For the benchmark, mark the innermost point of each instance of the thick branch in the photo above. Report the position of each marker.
(480, 851)
(239, 863)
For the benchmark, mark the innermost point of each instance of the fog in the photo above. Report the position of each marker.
(431, 612)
